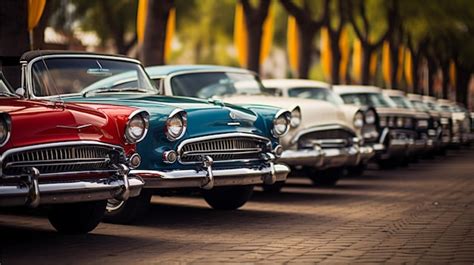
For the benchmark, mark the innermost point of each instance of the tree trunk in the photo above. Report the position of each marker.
(445, 70)
(335, 58)
(254, 42)
(366, 53)
(306, 36)
(415, 72)
(394, 66)
(153, 47)
(13, 38)
(431, 75)
(462, 85)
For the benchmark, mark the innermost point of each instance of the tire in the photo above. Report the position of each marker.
(128, 211)
(274, 188)
(76, 218)
(357, 171)
(387, 164)
(228, 198)
(327, 178)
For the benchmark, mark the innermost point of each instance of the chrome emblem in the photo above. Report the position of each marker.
(74, 127)
(232, 115)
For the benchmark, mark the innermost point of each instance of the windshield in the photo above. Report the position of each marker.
(367, 99)
(207, 85)
(402, 102)
(421, 106)
(61, 76)
(315, 93)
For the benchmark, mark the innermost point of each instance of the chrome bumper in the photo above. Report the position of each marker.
(209, 178)
(29, 192)
(340, 157)
(303, 157)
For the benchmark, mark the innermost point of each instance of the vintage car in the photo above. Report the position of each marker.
(218, 149)
(69, 157)
(397, 132)
(461, 121)
(427, 127)
(362, 120)
(441, 118)
(321, 142)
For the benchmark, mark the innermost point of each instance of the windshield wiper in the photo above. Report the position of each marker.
(3, 93)
(109, 89)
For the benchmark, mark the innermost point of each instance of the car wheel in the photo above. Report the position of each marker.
(126, 212)
(328, 177)
(76, 218)
(387, 164)
(228, 198)
(357, 171)
(274, 188)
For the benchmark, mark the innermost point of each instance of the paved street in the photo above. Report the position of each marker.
(420, 214)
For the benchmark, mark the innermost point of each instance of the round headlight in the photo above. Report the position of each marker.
(370, 117)
(281, 124)
(137, 127)
(295, 117)
(358, 120)
(400, 122)
(4, 129)
(176, 125)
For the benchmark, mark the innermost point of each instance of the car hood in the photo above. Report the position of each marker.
(39, 122)
(313, 112)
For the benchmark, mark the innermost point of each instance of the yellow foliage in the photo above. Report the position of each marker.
(170, 28)
(141, 19)
(408, 68)
(293, 43)
(401, 55)
(267, 37)
(373, 64)
(357, 61)
(386, 64)
(35, 10)
(452, 74)
(240, 35)
(326, 53)
(344, 46)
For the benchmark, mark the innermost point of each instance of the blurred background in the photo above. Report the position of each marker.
(426, 47)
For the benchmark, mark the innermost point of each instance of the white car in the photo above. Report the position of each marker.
(461, 121)
(321, 142)
(397, 134)
(428, 135)
(362, 120)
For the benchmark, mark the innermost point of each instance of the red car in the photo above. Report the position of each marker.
(70, 157)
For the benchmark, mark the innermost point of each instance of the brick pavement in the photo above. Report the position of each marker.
(420, 214)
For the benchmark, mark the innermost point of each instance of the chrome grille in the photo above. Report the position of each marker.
(61, 159)
(333, 138)
(222, 149)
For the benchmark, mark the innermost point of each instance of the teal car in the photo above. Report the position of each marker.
(218, 149)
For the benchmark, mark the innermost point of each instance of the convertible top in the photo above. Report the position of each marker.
(30, 55)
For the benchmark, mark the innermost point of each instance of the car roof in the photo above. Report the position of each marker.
(393, 92)
(162, 70)
(30, 55)
(291, 83)
(351, 89)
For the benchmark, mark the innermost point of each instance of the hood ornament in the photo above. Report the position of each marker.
(232, 115)
(80, 127)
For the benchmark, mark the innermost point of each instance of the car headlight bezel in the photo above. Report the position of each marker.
(359, 120)
(178, 116)
(370, 117)
(5, 129)
(281, 123)
(137, 126)
(295, 117)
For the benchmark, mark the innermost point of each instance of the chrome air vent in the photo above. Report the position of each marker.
(60, 159)
(223, 148)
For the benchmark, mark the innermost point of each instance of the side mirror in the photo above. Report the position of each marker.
(20, 92)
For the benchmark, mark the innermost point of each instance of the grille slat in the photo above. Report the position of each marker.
(223, 149)
(332, 138)
(61, 159)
